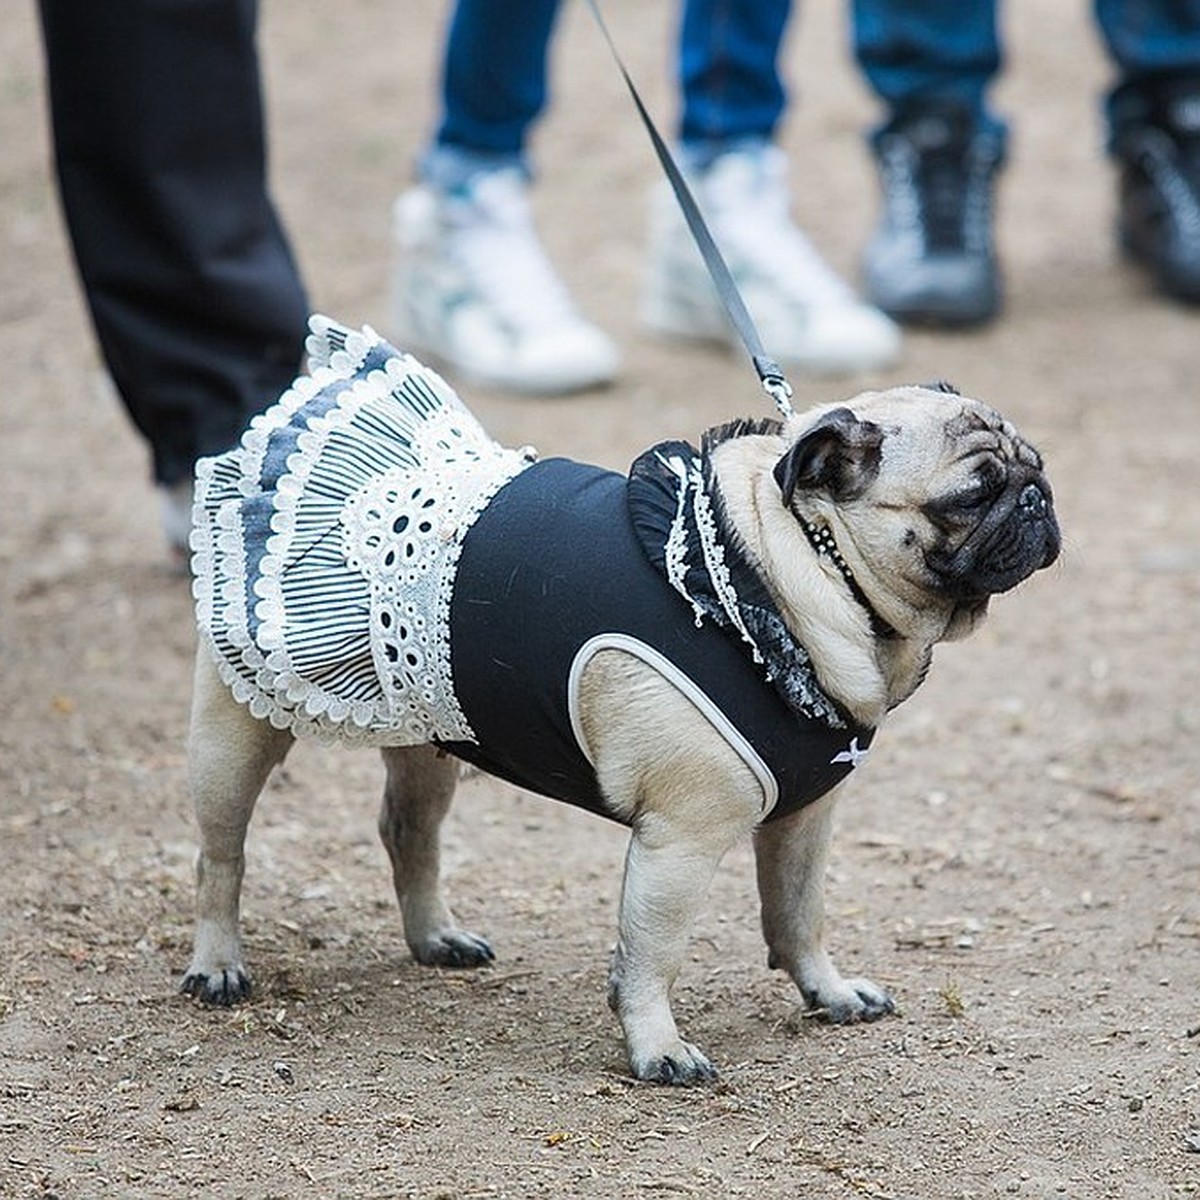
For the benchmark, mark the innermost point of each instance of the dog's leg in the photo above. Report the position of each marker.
(668, 869)
(230, 755)
(689, 798)
(420, 785)
(791, 855)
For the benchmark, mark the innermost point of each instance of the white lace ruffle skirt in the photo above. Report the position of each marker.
(325, 545)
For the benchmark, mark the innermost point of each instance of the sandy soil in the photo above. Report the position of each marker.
(1018, 865)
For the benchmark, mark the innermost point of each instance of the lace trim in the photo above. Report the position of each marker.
(703, 534)
(326, 545)
(713, 553)
(675, 547)
(404, 533)
(680, 519)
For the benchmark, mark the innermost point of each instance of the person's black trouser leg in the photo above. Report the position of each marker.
(199, 308)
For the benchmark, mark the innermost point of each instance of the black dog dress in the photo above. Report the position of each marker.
(370, 565)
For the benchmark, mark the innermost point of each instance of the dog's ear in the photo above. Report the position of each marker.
(941, 385)
(839, 453)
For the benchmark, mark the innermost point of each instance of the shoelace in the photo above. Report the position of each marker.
(940, 195)
(497, 247)
(1189, 168)
(1172, 161)
(944, 184)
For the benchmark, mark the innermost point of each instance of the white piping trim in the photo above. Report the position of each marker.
(673, 675)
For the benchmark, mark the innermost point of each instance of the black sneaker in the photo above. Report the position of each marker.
(1156, 142)
(932, 259)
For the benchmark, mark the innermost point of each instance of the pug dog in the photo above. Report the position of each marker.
(702, 650)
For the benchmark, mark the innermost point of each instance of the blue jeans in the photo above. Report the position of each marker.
(915, 51)
(494, 81)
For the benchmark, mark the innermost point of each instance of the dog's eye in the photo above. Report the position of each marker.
(984, 489)
(967, 503)
(975, 496)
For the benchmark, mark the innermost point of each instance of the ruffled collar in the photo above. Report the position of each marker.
(680, 519)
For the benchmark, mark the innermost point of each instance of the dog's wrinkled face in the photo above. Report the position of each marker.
(999, 526)
(938, 493)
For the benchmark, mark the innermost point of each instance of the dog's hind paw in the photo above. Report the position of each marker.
(455, 948)
(220, 989)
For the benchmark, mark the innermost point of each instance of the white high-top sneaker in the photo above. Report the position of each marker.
(806, 315)
(473, 288)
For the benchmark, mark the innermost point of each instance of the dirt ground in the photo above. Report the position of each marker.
(1019, 863)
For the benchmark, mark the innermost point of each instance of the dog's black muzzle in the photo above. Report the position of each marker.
(1017, 537)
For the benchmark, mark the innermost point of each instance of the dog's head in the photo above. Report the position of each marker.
(937, 495)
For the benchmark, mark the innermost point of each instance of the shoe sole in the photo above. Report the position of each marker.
(949, 312)
(1185, 290)
(664, 318)
(934, 317)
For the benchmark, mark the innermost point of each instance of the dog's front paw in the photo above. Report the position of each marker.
(455, 948)
(848, 1001)
(683, 1066)
(220, 988)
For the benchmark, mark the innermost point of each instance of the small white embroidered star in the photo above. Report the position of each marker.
(852, 754)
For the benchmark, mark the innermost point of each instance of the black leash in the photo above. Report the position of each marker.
(768, 370)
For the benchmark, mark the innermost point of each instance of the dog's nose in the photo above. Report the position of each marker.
(1033, 501)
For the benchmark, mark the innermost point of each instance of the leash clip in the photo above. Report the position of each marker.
(774, 383)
